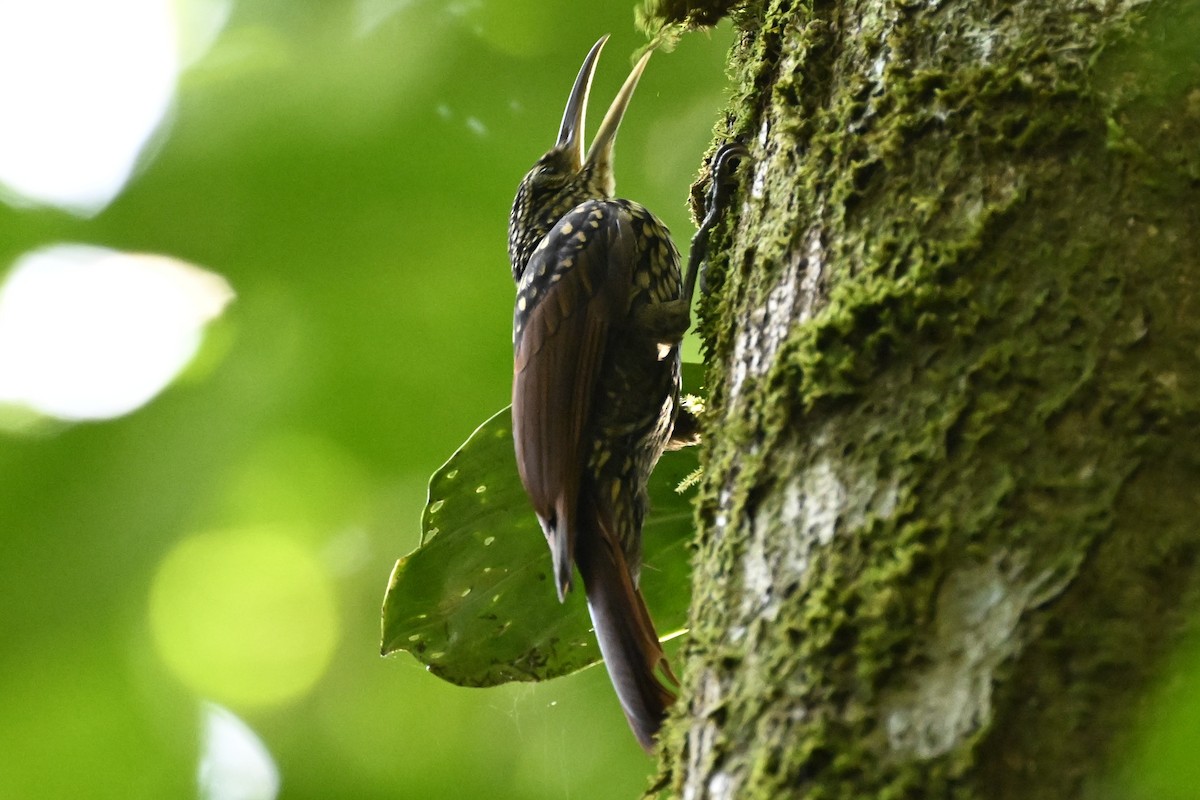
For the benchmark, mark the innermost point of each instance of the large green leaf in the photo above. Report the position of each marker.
(475, 602)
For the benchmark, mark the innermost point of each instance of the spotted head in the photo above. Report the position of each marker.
(565, 177)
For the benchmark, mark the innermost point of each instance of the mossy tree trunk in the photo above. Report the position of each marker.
(949, 523)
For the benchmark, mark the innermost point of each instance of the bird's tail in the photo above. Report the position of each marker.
(635, 660)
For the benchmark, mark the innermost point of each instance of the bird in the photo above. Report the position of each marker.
(596, 330)
(601, 309)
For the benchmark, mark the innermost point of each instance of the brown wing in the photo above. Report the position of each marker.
(575, 287)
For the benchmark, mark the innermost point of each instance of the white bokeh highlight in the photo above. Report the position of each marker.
(83, 87)
(88, 333)
(234, 763)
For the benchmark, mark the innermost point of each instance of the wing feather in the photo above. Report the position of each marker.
(576, 287)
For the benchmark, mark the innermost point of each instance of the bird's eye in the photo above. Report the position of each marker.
(545, 178)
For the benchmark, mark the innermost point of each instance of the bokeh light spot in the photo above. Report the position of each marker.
(246, 617)
(90, 333)
(82, 88)
(234, 762)
(518, 27)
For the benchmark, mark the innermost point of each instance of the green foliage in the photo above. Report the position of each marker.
(475, 602)
(348, 168)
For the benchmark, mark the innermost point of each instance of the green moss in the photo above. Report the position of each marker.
(992, 369)
(668, 19)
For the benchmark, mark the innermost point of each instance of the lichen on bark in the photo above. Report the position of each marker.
(947, 528)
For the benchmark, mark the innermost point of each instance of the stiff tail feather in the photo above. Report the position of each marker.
(628, 641)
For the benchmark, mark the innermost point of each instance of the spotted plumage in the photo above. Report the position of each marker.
(635, 385)
(599, 314)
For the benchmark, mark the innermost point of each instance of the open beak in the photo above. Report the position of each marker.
(600, 154)
(570, 133)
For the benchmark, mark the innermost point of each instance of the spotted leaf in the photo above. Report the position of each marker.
(475, 601)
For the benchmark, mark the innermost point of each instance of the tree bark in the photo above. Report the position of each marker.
(948, 525)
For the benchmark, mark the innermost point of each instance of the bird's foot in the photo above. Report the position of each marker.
(721, 172)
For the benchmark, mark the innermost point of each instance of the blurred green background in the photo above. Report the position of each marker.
(193, 588)
(190, 592)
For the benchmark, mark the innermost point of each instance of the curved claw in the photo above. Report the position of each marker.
(721, 169)
(718, 197)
